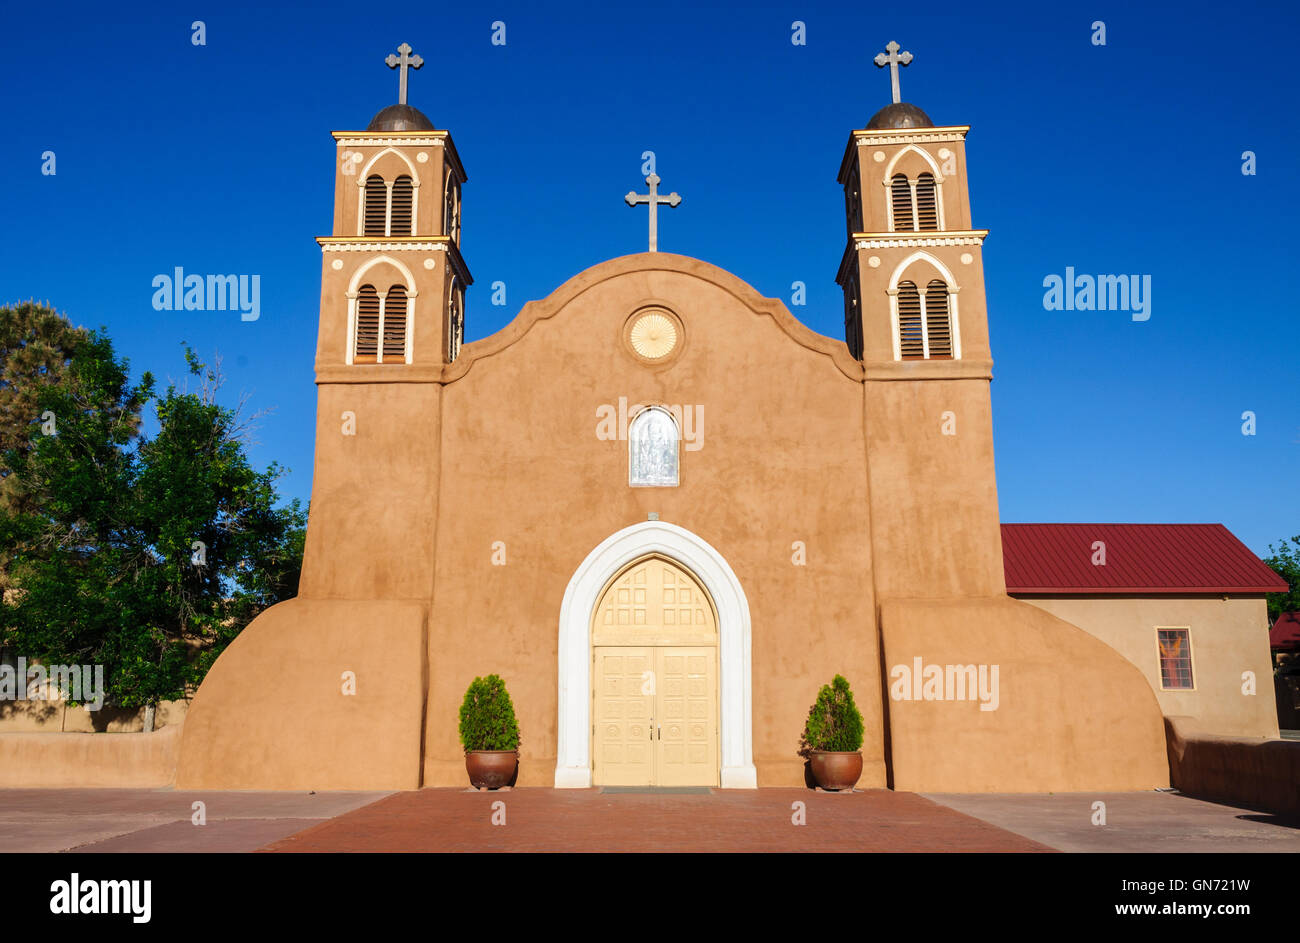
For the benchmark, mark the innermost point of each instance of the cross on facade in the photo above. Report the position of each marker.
(653, 199)
(403, 61)
(893, 60)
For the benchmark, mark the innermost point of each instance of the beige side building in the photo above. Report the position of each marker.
(1183, 602)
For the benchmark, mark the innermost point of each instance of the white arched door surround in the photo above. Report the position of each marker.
(735, 701)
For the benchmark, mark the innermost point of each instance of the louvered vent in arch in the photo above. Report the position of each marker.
(395, 325)
(451, 209)
(367, 340)
(852, 323)
(911, 344)
(403, 203)
(376, 215)
(927, 206)
(902, 203)
(853, 201)
(938, 326)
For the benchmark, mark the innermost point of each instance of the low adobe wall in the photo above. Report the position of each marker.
(106, 760)
(1071, 714)
(1286, 695)
(1260, 773)
(313, 694)
(55, 716)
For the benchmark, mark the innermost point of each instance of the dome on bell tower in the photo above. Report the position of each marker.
(899, 115)
(400, 118)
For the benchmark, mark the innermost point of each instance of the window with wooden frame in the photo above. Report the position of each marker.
(402, 204)
(393, 320)
(924, 321)
(389, 209)
(376, 207)
(1175, 652)
(914, 203)
(455, 319)
(853, 200)
(451, 208)
(926, 202)
(852, 318)
(901, 202)
(938, 325)
(366, 347)
(380, 326)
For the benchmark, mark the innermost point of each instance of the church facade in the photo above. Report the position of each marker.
(657, 473)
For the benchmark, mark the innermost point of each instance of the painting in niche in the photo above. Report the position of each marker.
(652, 450)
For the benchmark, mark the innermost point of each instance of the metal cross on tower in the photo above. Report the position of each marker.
(653, 199)
(893, 60)
(403, 61)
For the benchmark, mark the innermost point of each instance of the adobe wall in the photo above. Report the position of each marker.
(374, 500)
(275, 711)
(1229, 637)
(55, 716)
(781, 460)
(934, 496)
(503, 458)
(89, 760)
(1071, 713)
(1258, 773)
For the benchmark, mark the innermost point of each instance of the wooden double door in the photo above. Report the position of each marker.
(655, 679)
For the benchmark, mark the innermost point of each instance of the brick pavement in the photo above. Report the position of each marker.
(540, 819)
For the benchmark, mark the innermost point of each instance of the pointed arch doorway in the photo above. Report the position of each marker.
(667, 552)
(654, 640)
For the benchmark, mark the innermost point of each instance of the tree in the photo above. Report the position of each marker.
(219, 550)
(36, 347)
(145, 555)
(64, 531)
(1285, 562)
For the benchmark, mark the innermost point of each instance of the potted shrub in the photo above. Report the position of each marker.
(489, 733)
(832, 737)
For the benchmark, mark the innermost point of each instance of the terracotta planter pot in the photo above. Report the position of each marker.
(492, 768)
(836, 770)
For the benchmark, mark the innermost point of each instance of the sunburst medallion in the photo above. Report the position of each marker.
(653, 336)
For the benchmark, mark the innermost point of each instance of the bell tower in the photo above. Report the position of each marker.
(392, 319)
(914, 315)
(393, 279)
(911, 251)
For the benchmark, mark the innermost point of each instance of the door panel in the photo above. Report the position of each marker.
(686, 717)
(623, 751)
(654, 602)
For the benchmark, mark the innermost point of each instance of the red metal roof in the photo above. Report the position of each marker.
(1285, 634)
(1140, 558)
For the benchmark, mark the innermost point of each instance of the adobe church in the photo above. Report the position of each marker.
(657, 472)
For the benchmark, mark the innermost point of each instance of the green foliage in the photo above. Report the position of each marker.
(1285, 562)
(487, 716)
(36, 349)
(834, 722)
(103, 545)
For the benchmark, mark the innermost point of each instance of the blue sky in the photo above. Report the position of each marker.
(1123, 158)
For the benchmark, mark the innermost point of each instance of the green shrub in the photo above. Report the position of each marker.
(487, 716)
(834, 722)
